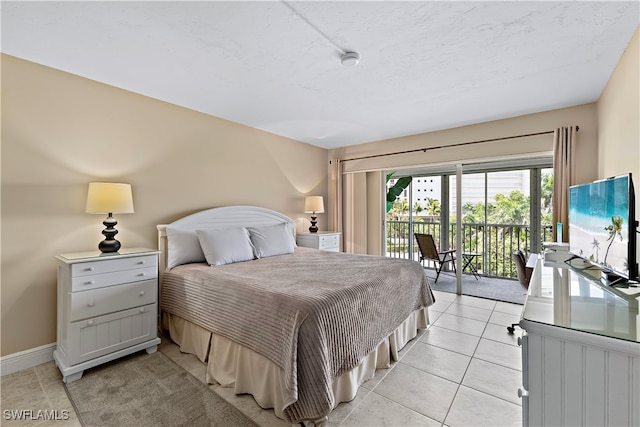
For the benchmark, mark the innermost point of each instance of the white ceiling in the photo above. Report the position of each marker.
(425, 65)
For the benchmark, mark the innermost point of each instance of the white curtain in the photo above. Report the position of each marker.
(354, 219)
(335, 196)
(564, 147)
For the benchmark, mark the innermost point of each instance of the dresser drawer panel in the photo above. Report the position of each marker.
(93, 281)
(100, 266)
(101, 301)
(327, 246)
(330, 238)
(105, 334)
(329, 241)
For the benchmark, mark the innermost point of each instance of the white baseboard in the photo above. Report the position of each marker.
(26, 359)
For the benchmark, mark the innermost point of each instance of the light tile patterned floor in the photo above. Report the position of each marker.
(464, 370)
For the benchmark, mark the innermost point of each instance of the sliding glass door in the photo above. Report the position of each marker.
(503, 208)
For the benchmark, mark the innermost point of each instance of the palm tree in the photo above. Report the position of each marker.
(401, 206)
(615, 229)
(433, 206)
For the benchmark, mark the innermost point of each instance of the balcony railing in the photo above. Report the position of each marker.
(494, 244)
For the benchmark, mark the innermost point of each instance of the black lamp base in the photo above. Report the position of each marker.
(109, 244)
(313, 228)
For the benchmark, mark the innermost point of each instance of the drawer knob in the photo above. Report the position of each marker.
(141, 293)
(142, 274)
(89, 269)
(90, 282)
(142, 310)
(90, 322)
(142, 262)
(520, 341)
(522, 393)
(91, 304)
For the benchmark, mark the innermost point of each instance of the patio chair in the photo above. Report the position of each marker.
(429, 252)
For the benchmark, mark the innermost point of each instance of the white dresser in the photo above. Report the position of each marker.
(325, 240)
(107, 308)
(580, 349)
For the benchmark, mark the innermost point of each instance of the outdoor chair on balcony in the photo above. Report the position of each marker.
(429, 252)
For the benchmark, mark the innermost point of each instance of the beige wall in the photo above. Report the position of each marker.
(619, 117)
(619, 120)
(60, 131)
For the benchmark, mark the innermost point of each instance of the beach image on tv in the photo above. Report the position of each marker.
(598, 216)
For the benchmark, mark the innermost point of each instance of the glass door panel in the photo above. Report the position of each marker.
(474, 217)
(508, 219)
(546, 206)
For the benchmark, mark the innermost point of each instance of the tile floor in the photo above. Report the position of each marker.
(464, 370)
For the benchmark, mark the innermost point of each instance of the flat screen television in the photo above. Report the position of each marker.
(602, 225)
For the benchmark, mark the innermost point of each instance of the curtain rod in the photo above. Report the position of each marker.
(460, 144)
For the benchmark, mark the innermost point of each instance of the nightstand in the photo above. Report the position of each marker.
(107, 308)
(325, 240)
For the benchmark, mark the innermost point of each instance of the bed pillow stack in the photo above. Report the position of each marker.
(219, 246)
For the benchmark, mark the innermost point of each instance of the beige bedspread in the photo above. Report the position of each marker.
(315, 314)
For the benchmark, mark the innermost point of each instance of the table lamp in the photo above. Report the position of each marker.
(313, 205)
(109, 198)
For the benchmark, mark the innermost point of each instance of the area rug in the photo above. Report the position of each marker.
(485, 287)
(149, 390)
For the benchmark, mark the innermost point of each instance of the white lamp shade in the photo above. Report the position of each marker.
(109, 197)
(313, 204)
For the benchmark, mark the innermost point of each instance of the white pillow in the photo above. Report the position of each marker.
(272, 240)
(225, 245)
(183, 247)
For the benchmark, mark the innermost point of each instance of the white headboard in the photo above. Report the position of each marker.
(227, 217)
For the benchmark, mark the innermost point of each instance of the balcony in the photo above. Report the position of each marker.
(493, 243)
(508, 290)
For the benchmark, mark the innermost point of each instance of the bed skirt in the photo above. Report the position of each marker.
(233, 365)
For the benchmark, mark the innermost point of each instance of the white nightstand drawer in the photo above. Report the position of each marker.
(97, 302)
(105, 334)
(84, 283)
(99, 266)
(325, 240)
(329, 241)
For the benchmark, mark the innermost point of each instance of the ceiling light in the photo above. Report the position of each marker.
(350, 59)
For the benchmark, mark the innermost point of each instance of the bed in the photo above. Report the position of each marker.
(299, 329)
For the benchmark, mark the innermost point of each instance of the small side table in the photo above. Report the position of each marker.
(325, 240)
(468, 259)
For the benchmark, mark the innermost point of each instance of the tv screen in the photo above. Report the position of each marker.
(602, 226)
